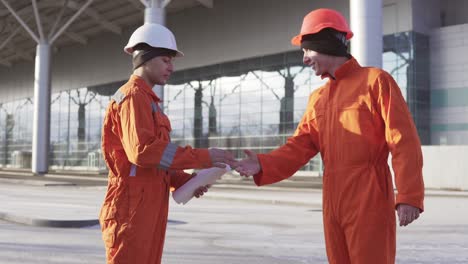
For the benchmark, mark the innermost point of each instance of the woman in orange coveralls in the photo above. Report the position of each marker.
(143, 163)
(354, 121)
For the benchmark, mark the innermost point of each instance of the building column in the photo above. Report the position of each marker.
(41, 121)
(366, 24)
(155, 13)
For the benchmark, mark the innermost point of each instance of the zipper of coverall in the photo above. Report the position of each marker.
(156, 110)
(328, 139)
(334, 148)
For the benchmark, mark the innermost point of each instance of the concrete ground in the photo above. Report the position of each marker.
(231, 224)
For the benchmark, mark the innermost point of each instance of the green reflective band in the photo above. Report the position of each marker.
(449, 97)
(449, 127)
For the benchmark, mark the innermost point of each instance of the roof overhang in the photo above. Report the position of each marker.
(46, 19)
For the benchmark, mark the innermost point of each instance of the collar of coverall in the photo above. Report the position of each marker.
(142, 84)
(346, 68)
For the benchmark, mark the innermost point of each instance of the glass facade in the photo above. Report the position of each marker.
(406, 57)
(252, 104)
(16, 129)
(75, 131)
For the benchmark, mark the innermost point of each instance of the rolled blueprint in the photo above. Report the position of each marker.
(204, 177)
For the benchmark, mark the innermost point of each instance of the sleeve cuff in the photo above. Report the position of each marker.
(411, 200)
(204, 158)
(258, 178)
(179, 178)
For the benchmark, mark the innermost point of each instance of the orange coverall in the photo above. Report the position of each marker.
(143, 166)
(354, 121)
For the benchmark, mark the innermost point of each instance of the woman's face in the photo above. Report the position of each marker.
(159, 69)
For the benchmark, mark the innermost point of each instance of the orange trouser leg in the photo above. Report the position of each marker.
(139, 237)
(337, 251)
(369, 240)
(371, 237)
(359, 217)
(150, 223)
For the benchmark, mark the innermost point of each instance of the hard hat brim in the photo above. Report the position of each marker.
(296, 41)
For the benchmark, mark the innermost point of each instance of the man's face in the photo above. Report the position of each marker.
(159, 69)
(317, 61)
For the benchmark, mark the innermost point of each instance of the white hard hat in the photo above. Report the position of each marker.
(155, 35)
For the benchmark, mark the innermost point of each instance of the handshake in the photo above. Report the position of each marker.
(221, 160)
(246, 167)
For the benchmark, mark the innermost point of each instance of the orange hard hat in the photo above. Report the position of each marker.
(320, 19)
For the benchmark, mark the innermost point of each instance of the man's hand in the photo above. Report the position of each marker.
(407, 214)
(222, 156)
(201, 190)
(250, 165)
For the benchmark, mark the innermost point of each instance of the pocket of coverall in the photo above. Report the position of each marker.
(356, 118)
(162, 126)
(164, 121)
(109, 226)
(355, 132)
(135, 197)
(317, 120)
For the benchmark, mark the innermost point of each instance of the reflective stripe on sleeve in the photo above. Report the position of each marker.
(133, 169)
(118, 97)
(154, 107)
(168, 156)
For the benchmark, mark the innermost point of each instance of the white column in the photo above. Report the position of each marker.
(155, 13)
(41, 122)
(366, 24)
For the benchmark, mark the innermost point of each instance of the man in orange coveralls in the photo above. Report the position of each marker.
(143, 163)
(354, 121)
